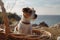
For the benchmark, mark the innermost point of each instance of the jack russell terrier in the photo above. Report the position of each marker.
(24, 26)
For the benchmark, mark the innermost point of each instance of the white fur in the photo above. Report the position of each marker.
(24, 28)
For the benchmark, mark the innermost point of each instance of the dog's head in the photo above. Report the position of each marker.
(29, 13)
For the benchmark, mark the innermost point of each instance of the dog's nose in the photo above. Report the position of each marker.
(35, 16)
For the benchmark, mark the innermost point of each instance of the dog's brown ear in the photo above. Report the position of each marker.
(25, 9)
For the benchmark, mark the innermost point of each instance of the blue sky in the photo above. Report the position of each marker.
(42, 7)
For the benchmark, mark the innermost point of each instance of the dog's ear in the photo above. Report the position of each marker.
(25, 9)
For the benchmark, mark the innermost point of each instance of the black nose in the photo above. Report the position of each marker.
(35, 16)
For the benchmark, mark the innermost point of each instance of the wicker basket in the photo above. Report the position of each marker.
(32, 37)
(18, 37)
(23, 37)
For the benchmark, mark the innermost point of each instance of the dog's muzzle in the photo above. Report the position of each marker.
(35, 16)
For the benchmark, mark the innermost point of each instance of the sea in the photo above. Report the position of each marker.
(48, 19)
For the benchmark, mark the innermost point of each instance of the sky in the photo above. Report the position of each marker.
(42, 7)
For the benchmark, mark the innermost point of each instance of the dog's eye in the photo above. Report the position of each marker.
(30, 11)
(34, 11)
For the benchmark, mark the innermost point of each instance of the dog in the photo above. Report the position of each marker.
(24, 26)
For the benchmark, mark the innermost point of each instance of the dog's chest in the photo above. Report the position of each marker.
(24, 28)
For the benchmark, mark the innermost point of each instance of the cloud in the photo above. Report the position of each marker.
(47, 11)
(42, 7)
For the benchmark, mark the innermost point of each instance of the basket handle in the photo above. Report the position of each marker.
(5, 18)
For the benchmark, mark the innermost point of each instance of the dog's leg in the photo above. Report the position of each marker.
(16, 29)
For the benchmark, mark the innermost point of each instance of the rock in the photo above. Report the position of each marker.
(43, 24)
(34, 25)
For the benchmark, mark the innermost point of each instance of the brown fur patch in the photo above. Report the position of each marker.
(26, 15)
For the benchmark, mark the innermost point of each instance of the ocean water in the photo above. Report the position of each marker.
(49, 19)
